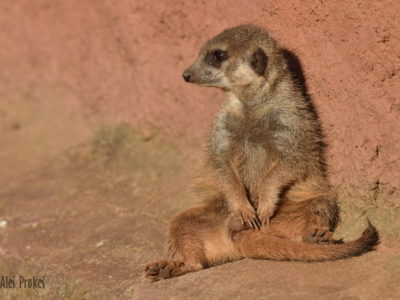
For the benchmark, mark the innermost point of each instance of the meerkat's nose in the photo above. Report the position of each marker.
(186, 76)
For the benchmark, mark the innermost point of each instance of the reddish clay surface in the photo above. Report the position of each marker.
(68, 67)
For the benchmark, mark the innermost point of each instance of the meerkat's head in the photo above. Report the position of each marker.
(236, 58)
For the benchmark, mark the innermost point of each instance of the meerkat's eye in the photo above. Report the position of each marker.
(219, 54)
(216, 57)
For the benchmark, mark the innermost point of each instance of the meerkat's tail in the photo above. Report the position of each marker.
(255, 244)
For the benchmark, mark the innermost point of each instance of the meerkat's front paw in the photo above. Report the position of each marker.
(249, 216)
(265, 212)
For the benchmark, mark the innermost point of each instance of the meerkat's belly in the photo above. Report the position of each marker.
(249, 148)
(254, 162)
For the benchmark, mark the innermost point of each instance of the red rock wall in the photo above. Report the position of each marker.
(122, 61)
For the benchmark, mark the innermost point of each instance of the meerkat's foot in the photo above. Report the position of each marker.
(164, 269)
(318, 236)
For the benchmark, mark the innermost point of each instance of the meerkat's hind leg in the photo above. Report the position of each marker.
(322, 215)
(310, 221)
(197, 239)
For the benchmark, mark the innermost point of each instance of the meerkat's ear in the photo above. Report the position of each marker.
(259, 61)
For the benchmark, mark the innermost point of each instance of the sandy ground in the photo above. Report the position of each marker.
(90, 217)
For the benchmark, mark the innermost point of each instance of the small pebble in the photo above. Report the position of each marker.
(99, 244)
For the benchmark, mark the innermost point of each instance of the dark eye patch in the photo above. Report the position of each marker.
(216, 57)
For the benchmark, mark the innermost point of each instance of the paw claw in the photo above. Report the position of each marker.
(248, 215)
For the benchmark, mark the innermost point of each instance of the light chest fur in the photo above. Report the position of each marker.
(245, 140)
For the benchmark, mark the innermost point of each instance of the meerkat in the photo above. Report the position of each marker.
(264, 183)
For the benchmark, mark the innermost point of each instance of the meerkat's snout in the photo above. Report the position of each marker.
(208, 68)
(203, 75)
(186, 76)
